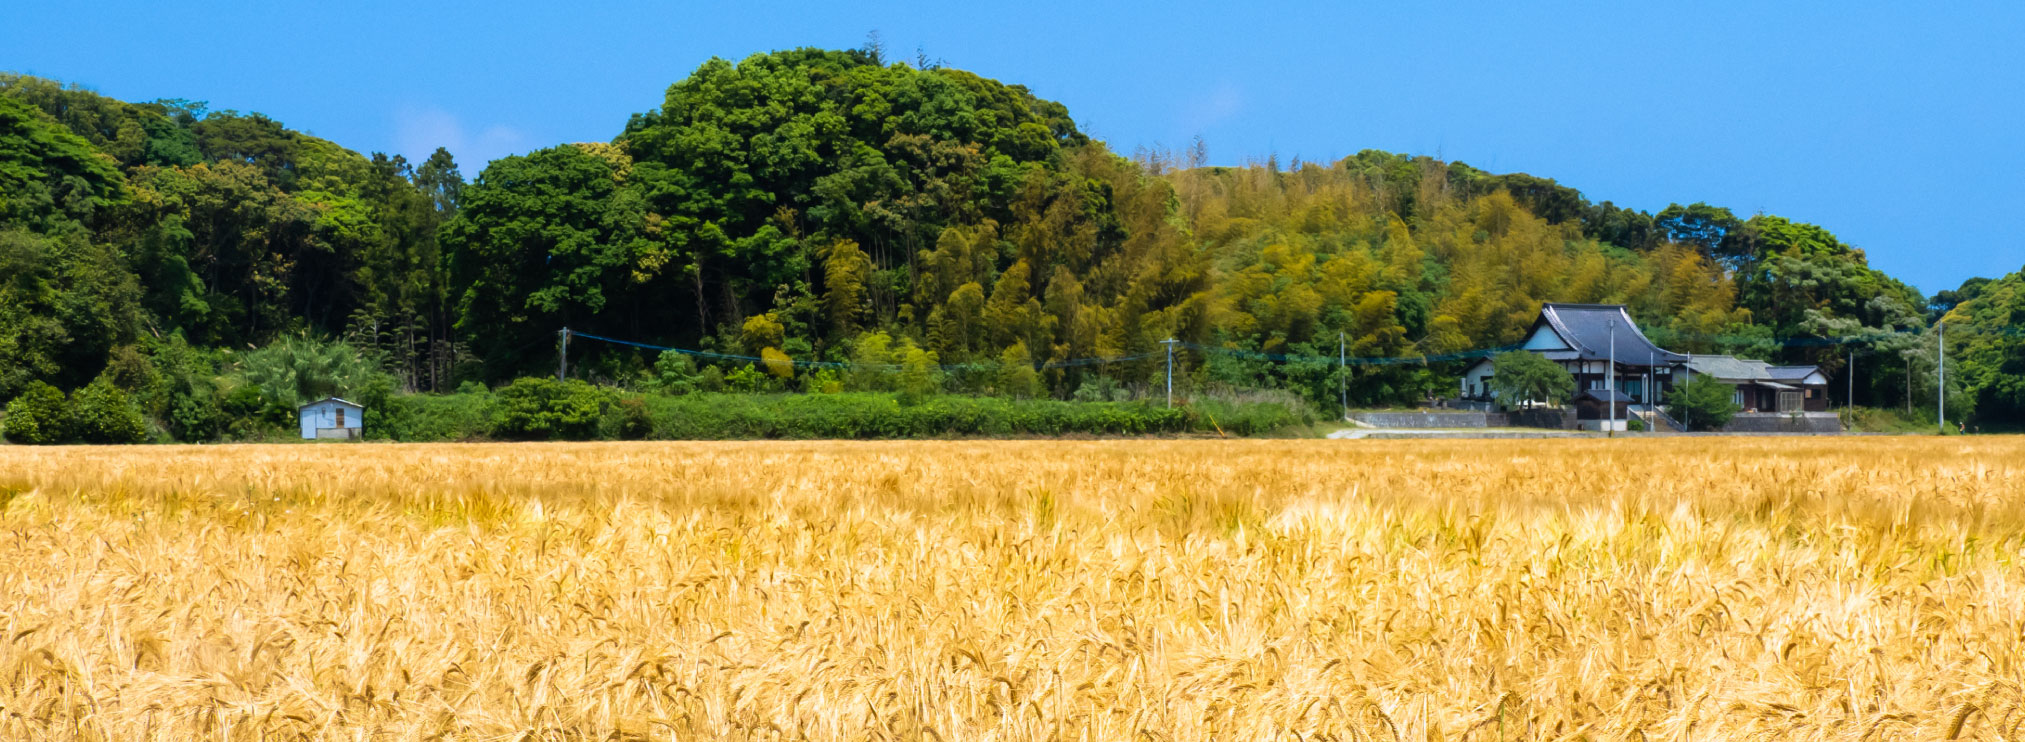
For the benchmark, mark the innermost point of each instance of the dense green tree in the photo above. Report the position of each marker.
(1714, 229)
(746, 162)
(675, 373)
(542, 408)
(102, 413)
(39, 415)
(65, 303)
(186, 394)
(847, 271)
(1016, 375)
(1986, 350)
(1703, 403)
(440, 180)
(1520, 376)
(66, 297)
(1946, 300)
(49, 177)
(1808, 285)
(919, 373)
(131, 133)
(546, 240)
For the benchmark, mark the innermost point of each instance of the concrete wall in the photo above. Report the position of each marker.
(1551, 418)
(1778, 422)
(1423, 419)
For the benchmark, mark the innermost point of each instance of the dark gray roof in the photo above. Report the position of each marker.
(1588, 328)
(1728, 368)
(1744, 370)
(1606, 395)
(1791, 373)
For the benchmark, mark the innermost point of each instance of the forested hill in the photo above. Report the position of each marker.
(831, 206)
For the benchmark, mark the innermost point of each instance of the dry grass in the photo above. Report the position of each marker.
(1178, 590)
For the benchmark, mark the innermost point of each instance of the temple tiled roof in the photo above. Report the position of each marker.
(1589, 330)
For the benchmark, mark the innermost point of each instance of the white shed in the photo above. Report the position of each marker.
(331, 417)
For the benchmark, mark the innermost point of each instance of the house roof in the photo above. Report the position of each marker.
(1746, 371)
(330, 399)
(1591, 329)
(1729, 368)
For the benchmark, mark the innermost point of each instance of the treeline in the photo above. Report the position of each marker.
(829, 206)
(122, 225)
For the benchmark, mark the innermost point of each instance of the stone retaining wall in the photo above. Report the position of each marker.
(1424, 419)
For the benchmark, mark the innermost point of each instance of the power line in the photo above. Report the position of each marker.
(1341, 359)
(1066, 363)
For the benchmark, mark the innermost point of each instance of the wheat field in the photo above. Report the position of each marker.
(1677, 589)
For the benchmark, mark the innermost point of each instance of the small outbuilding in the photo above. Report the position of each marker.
(1603, 409)
(331, 418)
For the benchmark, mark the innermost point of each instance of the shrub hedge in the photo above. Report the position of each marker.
(553, 411)
(883, 416)
(545, 409)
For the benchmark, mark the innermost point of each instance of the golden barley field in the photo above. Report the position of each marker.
(1670, 589)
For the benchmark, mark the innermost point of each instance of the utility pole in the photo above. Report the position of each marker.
(562, 366)
(1941, 361)
(1170, 370)
(1343, 372)
(1851, 401)
(1610, 384)
(1652, 391)
(1687, 374)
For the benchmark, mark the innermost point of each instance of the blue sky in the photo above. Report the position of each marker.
(1897, 126)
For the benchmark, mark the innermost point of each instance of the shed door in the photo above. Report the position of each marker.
(340, 417)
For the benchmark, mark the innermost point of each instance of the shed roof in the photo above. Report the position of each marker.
(1604, 395)
(347, 403)
(1591, 329)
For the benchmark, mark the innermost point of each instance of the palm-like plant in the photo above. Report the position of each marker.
(298, 369)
